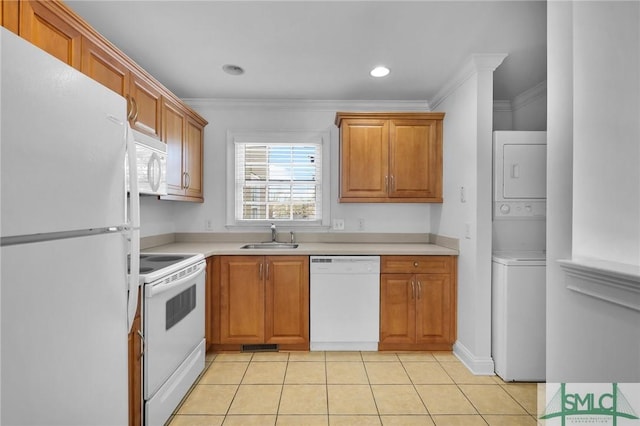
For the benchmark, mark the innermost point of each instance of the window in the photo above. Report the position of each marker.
(278, 178)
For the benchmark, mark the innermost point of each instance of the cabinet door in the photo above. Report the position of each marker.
(242, 299)
(415, 160)
(287, 300)
(434, 308)
(397, 308)
(364, 153)
(173, 131)
(10, 15)
(145, 99)
(193, 147)
(104, 67)
(135, 371)
(46, 29)
(212, 301)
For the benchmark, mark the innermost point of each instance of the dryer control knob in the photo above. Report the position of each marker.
(505, 209)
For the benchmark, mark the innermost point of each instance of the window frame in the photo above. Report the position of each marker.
(321, 137)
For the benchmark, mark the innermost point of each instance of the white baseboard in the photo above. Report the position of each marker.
(480, 366)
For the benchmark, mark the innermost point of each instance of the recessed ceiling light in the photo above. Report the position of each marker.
(232, 69)
(380, 71)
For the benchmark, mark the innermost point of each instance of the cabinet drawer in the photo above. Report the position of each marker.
(416, 264)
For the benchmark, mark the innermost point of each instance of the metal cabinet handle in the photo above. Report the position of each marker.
(141, 342)
(415, 264)
(393, 183)
(134, 106)
(267, 270)
(261, 268)
(386, 183)
(419, 289)
(413, 290)
(186, 180)
(129, 108)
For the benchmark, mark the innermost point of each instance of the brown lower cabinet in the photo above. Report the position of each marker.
(260, 300)
(417, 302)
(135, 370)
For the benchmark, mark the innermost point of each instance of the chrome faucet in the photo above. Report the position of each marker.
(273, 232)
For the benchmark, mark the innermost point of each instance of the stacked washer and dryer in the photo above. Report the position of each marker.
(519, 258)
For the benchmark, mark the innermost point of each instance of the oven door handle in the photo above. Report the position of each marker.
(161, 288)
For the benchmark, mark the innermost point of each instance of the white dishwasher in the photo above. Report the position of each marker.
(345, 303)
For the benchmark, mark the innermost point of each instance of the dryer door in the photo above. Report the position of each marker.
(524, 171)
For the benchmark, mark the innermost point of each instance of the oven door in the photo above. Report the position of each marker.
(173, 324)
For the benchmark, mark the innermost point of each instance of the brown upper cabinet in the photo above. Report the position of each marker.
(44, 24)
(143, 95)
(105, 67)
(184, 135)
(56, 29)
(390, 157)
(144, 100)
(10, 15)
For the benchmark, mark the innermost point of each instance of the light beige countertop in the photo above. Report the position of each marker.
(361, 244)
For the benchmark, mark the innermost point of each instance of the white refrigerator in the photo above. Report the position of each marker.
(67, 225)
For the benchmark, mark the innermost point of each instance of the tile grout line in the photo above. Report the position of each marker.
(326, 384)
(461, 391)
(373, 395)
(363, 361)
(284, 379)
(191, 389)
(237, 389)
(415, 389)
(504, 386)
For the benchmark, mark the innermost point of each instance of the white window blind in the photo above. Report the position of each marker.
(279, 181)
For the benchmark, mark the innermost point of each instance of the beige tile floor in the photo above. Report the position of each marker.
(351, 388)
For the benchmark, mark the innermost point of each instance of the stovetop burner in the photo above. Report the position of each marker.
(154, 265)
(155, 262)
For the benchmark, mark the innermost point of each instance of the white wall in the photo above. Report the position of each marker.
(530, 108)
(156, 216)
(278, 116)
(606, 174)
(526, 111)
(593, 52)
(468, 125)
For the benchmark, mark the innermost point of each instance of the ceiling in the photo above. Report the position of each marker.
(323, 50)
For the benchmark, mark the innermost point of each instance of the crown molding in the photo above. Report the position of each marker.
(530, 95)
(502, 106)
(309, 105)
(474, 64)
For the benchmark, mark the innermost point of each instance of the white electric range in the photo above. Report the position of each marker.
(173, 324)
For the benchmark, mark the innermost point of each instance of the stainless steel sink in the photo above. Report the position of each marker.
(270, 245)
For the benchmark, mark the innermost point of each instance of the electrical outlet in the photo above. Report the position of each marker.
(338, 224)
(208, 224)
(361, 224)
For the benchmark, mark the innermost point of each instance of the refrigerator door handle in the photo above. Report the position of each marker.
(134, 228)
(134, 193)
(134, 276)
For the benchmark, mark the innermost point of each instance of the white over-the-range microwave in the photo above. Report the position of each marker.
(151, 160)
